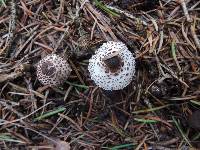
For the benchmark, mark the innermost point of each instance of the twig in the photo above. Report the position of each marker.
(72, 121)
(76, 71)
(22, 118)
(11, 76)
(95, 14)
(142, 142)
(186, 37)
(9, 107)
(166, 143)
(194, 35)
(128, 15)
(12, 28)
(61, 38)
(34, 32)
(185, 10)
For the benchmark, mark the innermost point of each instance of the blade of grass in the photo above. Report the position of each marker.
(151, 109)
(105, 9)
(173, 49)
(51, 113)
(145, 120)
(196, 137)
(127, 146)
(3, 2)
(195, 102)
(7, 138)
(181, 131)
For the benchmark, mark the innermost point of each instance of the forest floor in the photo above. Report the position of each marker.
(159, 110)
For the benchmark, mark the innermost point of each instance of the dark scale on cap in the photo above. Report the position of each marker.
(48, 69)
(114, 64)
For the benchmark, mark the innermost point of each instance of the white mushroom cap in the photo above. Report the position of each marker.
(53, 70)
(120, 75)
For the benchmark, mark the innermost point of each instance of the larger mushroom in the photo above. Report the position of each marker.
(53, 70)
(112, 67)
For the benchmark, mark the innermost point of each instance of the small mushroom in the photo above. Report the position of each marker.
(112, 67)
(53, 70)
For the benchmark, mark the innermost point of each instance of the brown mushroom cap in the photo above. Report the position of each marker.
(53, 70)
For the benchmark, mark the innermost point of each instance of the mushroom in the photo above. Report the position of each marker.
(112, 67)
(53, 70)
